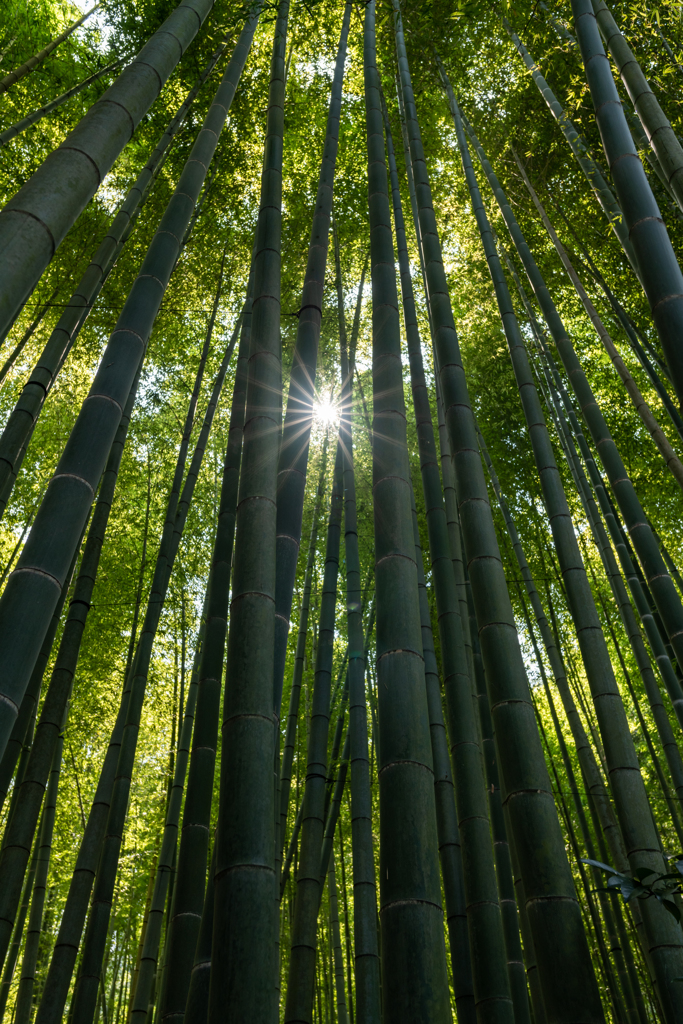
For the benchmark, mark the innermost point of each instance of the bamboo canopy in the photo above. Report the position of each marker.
(341, 512)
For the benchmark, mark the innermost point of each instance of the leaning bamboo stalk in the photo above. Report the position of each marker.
(23, 417)
(492, 993)
(243, 986)
(26, 337)
(293, 460)
(414, 971)
(660, 134)
(33, 587)
(642, 408)
(85, 994)
(562, 955)
(24, 1001)
(41, 112)
(603, 193)
(661, 275)
(35, 221)
(18, 932)
(38, 58)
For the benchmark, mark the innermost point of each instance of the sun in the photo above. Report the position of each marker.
(326, 410)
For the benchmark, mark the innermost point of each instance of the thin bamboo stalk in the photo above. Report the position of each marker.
(342, 1012)
(38, 58)
(41, 112)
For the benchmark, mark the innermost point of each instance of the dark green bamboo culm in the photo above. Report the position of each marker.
(37, 115)
(296, 431)
(666, 597)
(489, 974)
(366, 952)
(37, 58)
(85, 994)
(197, 1006)
(24, 1002)
(300, 981)
(414, 973)
(190, 871)
(244, 986)
(628, 788)
(450, 846)
(36, 219)
(34, 585)
(565, 967)
(659, 269)
(22, 419)
(300, 657)
(18, 932)
(589, 768)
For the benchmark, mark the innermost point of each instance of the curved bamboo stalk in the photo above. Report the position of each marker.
(22, 419)
(661, 275)
(243, 986)
(41, 112)
(563, 957)
(34, 585)
(36, 219)
(38, 58)
(414, 973)
(492, 991)
(293, 460)
(642, 408)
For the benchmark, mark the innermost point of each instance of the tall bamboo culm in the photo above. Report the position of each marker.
(243, 986)
(414, 979)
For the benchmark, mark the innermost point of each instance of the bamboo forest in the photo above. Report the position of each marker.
(341, 512)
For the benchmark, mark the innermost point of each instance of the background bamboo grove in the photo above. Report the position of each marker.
(341, 491)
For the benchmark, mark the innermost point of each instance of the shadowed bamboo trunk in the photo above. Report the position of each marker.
(243, 986)
(567, 978)
(40, 570)
(414, 978)
(659, 269)
(489, 974)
